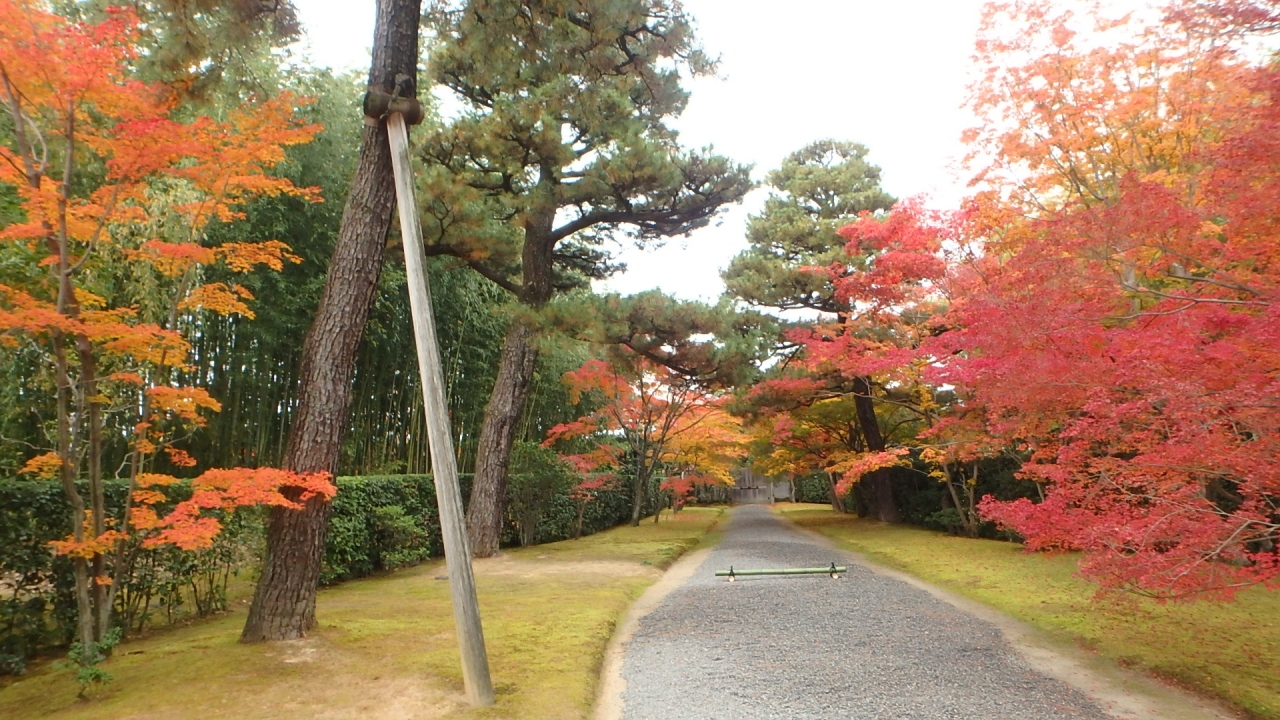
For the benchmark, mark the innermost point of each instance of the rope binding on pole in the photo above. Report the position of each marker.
(378, 103)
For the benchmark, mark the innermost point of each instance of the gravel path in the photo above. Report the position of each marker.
(863, 646)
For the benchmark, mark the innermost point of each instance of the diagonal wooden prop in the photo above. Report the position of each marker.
(444, 468)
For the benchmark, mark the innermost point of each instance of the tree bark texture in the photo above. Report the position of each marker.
(284, 603)
(497, 435)
(511, 387)
(879, 482)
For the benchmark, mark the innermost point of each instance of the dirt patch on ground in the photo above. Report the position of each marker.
(335, 685)
(510, 566)
(349, 693)
(305, 650)
(395, 699)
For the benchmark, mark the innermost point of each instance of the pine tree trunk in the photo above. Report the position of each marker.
(879, 481)
(284, 602)
(511, 388)
(497, 435)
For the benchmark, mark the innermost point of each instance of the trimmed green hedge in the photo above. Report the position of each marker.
(382, 522)
(610, 508)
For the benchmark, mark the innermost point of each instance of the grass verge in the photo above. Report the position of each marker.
(1229, 651)
(386, 648)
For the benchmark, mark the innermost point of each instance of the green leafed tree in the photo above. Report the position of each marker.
(537, 476)
(560, 144)
(819, 189)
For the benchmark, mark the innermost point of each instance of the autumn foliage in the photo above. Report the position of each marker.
(1104, 308)
(863, 368)
(649, 417)
(117, 184)
(1125, 337)
(1142, 326)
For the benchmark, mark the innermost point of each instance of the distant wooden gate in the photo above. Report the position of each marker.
(753, 488)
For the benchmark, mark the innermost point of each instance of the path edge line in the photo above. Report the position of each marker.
(608, 705)
(1121, 692)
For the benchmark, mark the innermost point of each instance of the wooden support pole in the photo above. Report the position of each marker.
(462, 583)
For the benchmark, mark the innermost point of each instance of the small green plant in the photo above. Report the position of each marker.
(948, 520)
(12, 664)
(86, 661)
(537, 477)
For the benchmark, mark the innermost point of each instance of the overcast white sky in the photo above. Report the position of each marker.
(888, 74)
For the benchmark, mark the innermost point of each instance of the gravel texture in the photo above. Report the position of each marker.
(863, 646)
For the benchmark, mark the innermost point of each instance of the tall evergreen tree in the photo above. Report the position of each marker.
(819, 189)
(561, 144)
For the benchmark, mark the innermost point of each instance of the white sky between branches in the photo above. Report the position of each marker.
(890, 74)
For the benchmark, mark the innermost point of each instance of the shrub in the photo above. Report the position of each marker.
(812, 488)
(538, 477)
(37, 604)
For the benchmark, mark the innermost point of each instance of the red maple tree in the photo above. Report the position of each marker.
(1125, 334)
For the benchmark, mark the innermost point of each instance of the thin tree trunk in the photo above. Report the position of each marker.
(577, 523)
(67, 474)
(101, 595)
(961, 510)
(638, 496)
(879, 481)
(284, 603)
(837, 502)
(971, 514)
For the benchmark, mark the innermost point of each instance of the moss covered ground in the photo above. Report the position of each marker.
(1230, 651)
(385, 647)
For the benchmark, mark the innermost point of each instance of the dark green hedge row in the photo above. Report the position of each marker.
(382, 522)
(377, 523)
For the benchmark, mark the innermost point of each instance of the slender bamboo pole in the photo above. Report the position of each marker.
(834, 571)
(785, 571)
(462, 583)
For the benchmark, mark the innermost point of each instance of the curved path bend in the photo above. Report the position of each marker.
(865, 646)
